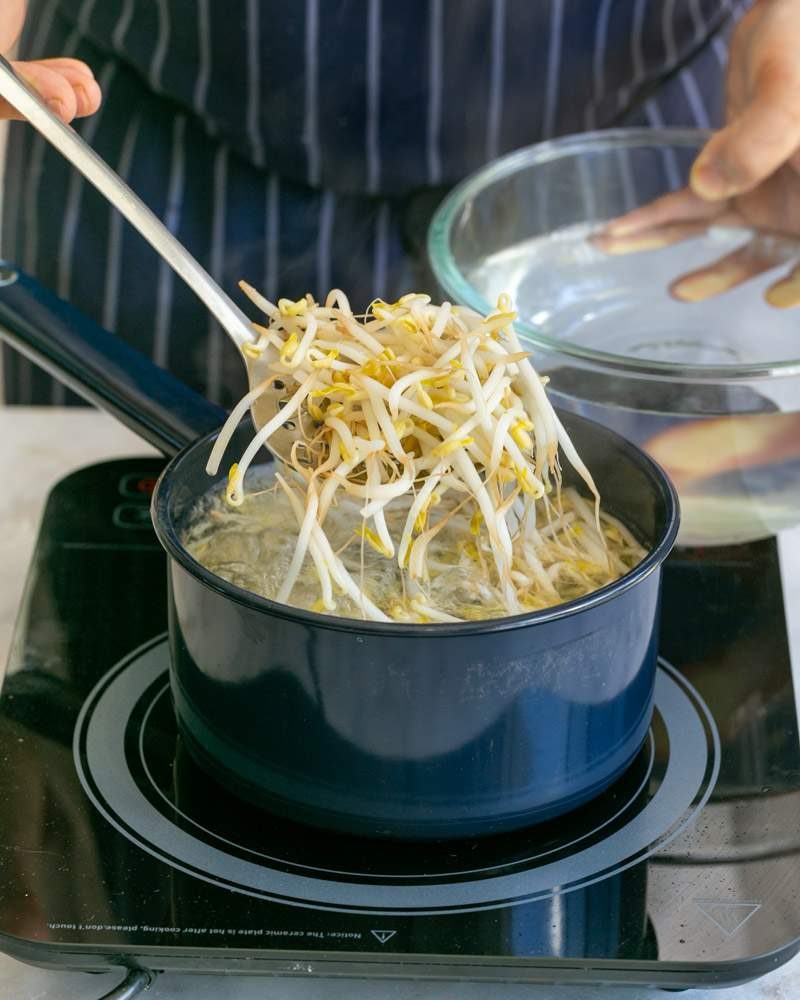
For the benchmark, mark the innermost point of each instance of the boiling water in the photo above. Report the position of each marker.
(252, 546)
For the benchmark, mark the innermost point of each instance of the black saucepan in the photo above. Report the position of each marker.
(379, 729)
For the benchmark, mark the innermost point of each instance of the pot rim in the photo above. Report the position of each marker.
(168, 537)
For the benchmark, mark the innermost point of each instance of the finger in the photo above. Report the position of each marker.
(86, 89)
(785, 293)
(763, 136)
(54, 90)
(63, 64)
(724, 274)
(677, 206)
(65, 97)
(648, 239)
(13, 16)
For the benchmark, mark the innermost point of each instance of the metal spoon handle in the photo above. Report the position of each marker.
(71, 146)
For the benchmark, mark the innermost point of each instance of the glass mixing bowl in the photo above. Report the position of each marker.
(710, 389)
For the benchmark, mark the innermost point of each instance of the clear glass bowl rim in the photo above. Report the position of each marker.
(455, 284)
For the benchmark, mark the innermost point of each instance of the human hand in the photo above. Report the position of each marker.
(748, 174)
(67, 85)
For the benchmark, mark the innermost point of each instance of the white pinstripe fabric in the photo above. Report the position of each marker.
(381, 252)
(203, 77)
(587, 191)
(700, 26)
(720, 51)
(254, 80)
(75, 192)
(668, 32)
(72, 205)
(611, 36)
(39, 146)
(694, 97)
(637, 54)
(626, 175)
(39, 45)
(72, 208)
(43, 29)
(653, 113)
(496, 74)
(85, 15)
(161, 46)
(435, 30)
(373, 95)
(327, 212)
(598, 63)
(656, 120)
(216, 337)
(272, 227)
(553, 67)
(172, 218)
(311, 123)
(121, 29)
(114, 259)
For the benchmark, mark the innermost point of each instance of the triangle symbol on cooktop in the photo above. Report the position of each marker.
(384, 936)
(729, 917)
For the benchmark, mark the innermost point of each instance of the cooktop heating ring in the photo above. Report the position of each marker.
(132, 687)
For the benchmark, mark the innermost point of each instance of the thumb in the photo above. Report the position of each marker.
(12, 14)
(759, 140)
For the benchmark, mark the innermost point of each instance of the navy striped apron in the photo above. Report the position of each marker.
(301, 144)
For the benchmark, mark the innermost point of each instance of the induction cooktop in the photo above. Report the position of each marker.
(116, 850)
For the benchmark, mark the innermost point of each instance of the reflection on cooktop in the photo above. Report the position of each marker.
(133, 764)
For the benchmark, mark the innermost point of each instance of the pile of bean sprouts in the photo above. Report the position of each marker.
(437, 411)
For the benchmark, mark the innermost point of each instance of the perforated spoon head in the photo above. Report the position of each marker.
(270, 403)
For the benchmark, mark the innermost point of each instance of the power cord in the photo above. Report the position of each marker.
(136, 982)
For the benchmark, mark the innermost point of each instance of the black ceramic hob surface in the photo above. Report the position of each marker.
(115, 849)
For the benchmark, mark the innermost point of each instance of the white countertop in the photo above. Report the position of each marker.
(37, 447)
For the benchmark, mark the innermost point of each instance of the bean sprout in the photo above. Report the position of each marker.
(434, 413)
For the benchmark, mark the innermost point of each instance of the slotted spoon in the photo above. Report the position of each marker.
(230, 317)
